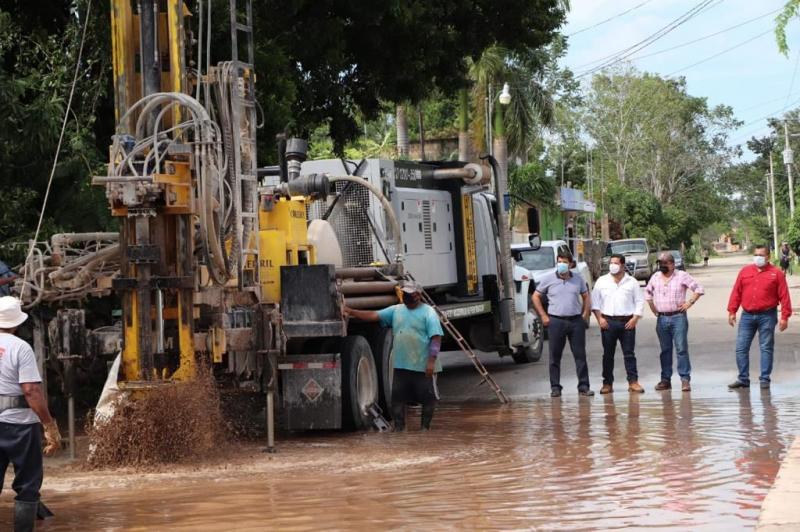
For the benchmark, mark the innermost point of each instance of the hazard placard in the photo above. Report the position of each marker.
(312, 390)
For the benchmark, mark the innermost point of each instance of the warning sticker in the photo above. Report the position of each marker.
(312, 390)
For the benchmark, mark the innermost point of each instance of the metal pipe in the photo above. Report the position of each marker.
(71, 425)
(472, 173)
(357, 273)
(151, 64)
(159, 321)
(368, 287)
(370, 302)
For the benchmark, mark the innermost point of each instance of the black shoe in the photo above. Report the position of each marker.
(765, 385)
(555, 393)
(738, 384)
(586, 393)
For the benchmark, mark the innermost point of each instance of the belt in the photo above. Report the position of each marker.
(7, 402)
(618, 318)
(568, 318)
(765, 311)
(671, 313)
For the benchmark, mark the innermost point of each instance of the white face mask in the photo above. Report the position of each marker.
(614, 268)
(760, 261)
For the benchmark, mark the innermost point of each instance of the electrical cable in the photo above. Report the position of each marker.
(725, 51)
(609, 19)
(60, 141)
(699, 39)
(794, 75)
(627, 52)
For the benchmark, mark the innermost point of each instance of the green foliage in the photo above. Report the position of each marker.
(38, 49)
(345, 58)
(639, 213)
(790, 10)
(793, 234)
(530, 183)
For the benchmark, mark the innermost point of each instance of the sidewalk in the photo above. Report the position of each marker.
(780, 511)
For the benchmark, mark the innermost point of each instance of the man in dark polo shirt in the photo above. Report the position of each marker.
(569, 305)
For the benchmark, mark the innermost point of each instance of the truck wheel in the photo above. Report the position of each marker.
(359, 382)
(534, 337)
(381, 343)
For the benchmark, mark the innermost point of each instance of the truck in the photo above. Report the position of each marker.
(223, 264)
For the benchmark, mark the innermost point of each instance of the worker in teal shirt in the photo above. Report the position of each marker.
(417, 341)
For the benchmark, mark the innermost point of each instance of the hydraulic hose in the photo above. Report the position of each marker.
(398, 242)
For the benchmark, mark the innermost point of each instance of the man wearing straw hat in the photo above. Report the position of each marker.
(22, 408)
(417, 341)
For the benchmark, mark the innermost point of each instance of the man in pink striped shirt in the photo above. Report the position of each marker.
(666, 295)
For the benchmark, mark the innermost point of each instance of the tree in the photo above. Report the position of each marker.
(365, 52)
(791, 9)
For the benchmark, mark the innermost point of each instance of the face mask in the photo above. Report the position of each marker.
(562, 268)
(409, 299)
(664, 269)
(760, 261)
(614, 268)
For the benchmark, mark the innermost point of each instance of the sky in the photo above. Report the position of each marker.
(754, 77)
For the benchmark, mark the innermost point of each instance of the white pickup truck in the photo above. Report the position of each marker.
(542, 261)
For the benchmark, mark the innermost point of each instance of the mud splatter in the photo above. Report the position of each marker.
(167, 424)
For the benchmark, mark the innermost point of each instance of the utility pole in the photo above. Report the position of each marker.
(788, 160)
(774, 215)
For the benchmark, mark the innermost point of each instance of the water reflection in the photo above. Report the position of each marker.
(660, 460)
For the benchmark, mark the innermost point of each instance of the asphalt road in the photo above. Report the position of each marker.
(711, 348)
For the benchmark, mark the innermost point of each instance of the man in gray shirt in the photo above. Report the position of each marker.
(569, 305)
(22, 409)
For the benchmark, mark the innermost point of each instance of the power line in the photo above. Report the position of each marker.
(794, 75)
(725, 51)
(609, 19)
(624, 54)
(720, 32)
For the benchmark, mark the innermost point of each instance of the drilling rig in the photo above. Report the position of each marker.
(244, 269)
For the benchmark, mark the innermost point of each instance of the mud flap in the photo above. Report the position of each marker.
(312, 391)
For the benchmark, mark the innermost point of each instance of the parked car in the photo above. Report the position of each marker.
(640, 259)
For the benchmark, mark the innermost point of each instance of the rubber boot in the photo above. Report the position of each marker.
(43, 512)
(399, 417)
(427, 415)
(25, 515)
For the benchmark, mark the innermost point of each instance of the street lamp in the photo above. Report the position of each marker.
(504, 97)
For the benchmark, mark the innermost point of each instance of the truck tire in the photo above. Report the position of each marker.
(534, 337)
(359, 382)
(381, 342)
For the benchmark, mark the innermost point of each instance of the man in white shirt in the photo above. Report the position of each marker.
(22, 408)
(618, 304)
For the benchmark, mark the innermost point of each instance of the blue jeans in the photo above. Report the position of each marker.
(763, 323)
(674, 330)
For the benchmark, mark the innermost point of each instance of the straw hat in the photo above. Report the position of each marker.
(11, 314)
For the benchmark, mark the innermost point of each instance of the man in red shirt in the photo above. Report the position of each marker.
(759, 288)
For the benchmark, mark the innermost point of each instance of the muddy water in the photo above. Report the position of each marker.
(663, 461)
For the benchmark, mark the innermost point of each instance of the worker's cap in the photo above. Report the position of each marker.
(410, 287)
(11, 314)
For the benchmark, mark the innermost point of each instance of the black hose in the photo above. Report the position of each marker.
(346, 187)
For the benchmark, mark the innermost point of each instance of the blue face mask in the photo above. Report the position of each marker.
(562, 268)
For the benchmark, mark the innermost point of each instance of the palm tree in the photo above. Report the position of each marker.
(531, 104)
(401, 123)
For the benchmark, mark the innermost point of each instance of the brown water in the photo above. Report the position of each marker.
(662, 461)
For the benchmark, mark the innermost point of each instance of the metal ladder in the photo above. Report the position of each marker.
(462, 343)
(244, 118)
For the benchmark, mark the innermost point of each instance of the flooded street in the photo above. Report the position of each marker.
(603, 463)
(702, 460)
